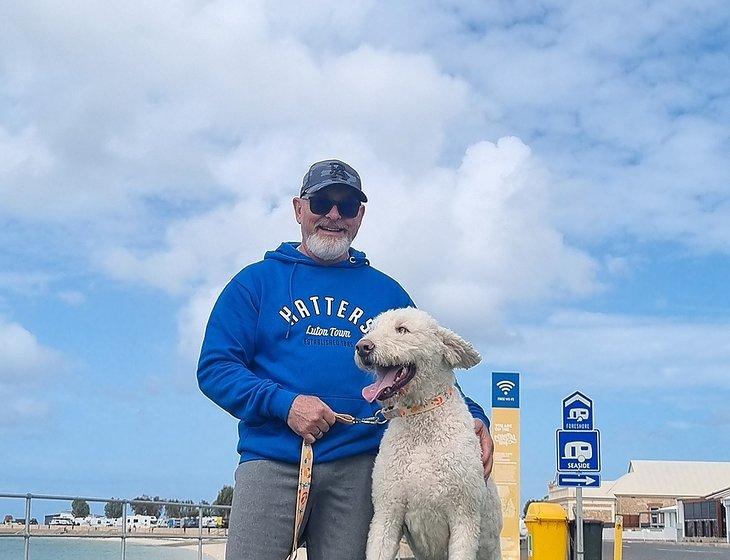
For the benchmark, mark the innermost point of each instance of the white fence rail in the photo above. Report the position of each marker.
(27, 534)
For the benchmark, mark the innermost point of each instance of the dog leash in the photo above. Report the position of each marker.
(306, 461)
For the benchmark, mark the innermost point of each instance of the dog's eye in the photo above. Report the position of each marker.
(402, 330)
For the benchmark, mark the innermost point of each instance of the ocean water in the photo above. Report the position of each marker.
(89, 549)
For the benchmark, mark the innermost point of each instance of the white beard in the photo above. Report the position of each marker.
(326, 248)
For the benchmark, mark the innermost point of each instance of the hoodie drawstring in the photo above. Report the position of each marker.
(352, 260)
(291, 299)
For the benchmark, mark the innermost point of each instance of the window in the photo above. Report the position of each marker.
(656, 519)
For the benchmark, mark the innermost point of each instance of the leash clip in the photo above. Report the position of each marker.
(376, 420)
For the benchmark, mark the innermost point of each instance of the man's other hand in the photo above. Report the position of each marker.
(310, 417)
(485, 440)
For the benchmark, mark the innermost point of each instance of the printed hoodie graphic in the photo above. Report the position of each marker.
(287, 326)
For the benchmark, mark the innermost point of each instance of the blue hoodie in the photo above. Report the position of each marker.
(287, 326)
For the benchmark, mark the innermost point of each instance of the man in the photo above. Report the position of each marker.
(278, 355)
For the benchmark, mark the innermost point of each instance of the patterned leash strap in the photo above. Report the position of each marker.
(306, 462)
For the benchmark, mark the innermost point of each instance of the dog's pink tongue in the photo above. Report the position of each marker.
(371, 392)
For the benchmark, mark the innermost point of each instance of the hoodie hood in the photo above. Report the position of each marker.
(288, 252)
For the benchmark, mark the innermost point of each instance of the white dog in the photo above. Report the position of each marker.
(428, 479)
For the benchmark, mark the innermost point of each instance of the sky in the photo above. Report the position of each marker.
(549, 179)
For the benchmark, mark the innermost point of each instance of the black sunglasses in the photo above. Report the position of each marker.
(322, 205)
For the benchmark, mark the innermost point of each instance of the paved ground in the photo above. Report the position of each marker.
(664, 551)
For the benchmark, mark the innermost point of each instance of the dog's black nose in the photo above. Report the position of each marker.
(365, 347)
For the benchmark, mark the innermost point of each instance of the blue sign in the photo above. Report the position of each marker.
(579, 479)
(505, 390)
(577, 412)
(578, 451)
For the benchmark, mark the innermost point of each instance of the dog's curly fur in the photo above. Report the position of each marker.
(428, 479)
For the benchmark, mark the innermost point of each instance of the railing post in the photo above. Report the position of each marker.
(200, 533)
(124, 530)
(26, 548)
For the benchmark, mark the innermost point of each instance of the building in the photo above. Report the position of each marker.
(650, 486)
(706, 518)
(654, 495)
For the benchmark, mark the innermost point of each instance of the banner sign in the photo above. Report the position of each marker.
(505, 430)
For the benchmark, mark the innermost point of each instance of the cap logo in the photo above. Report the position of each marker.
(336, 171)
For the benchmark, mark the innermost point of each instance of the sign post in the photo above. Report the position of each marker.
(505, 432)
(579, 550)
(578, 455)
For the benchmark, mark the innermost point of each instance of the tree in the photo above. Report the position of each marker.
(79, 508)
(188, 510)
(172, 511)
(147, 509)
(225, 498)
(527, 504)
(113, 510)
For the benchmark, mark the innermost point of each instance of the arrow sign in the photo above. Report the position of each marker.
(579, 480)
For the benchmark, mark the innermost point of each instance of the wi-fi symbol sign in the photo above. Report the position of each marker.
(505, 386)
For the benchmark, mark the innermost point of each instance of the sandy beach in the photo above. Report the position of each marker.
(164, 537)
(212, 550)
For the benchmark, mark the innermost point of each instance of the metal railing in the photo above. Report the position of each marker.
(200, 537)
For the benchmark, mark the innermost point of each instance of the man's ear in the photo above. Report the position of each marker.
(458, 352)
(297, 202)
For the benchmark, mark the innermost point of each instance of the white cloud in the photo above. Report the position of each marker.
(26, 282)
(25, 364)
(616, 352)
(469, 241)
(196, 104)
(169, 155)
(213, 77)
(465, 242)
(21, 411)
(23, 151)
(24, 358)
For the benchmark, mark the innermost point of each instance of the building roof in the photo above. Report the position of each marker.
(673, 478)
(719, 495)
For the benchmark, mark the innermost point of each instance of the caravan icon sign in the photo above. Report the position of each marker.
(581, 451)
(578, 450)
(577, 412)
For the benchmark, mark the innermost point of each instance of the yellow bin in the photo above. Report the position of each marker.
(547, 532)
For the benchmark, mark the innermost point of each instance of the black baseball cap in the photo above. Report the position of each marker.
(331, 172)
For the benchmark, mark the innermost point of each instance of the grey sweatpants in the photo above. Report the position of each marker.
(336, 520)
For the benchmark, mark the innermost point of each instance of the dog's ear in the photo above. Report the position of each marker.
(459, 353)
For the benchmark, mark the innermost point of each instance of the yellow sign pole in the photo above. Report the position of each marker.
(618, 538)
(505, 430)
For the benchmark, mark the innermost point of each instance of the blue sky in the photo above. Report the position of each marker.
(550, 179)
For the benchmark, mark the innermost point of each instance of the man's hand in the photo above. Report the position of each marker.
(310, 417)
(485, 440)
